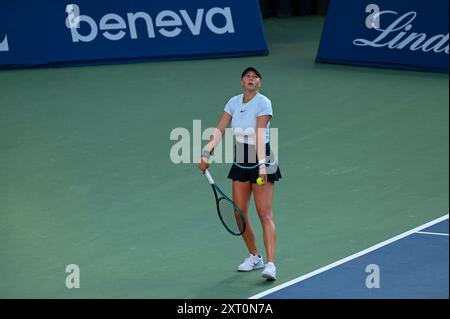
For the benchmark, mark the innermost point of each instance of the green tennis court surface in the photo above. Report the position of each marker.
(86, 177)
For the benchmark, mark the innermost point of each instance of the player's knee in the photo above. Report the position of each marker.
(266, 216)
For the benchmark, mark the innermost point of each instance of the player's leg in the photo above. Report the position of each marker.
(263, 195)
(242, 192)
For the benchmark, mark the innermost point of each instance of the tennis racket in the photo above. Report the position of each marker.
(229, 213)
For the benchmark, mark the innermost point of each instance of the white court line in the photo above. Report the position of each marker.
(431, 233)
(344, 260)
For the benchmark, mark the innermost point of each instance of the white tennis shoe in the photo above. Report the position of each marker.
(270, 271)
(251, 262)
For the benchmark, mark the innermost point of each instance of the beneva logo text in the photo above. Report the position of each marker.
(167, 23)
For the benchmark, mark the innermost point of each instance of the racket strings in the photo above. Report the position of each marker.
(231, 217)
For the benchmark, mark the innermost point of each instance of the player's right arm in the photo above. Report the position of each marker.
(214, 139)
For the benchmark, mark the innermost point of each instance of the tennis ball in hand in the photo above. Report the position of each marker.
(259, 181)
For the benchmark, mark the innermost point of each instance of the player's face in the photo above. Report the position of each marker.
(251, 81)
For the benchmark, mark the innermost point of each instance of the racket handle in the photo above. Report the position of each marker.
(209, 177)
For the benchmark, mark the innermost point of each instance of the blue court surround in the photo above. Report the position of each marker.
(415, 266)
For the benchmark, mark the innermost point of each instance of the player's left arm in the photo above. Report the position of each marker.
(261, 125)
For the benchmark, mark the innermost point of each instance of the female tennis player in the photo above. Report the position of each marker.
(249, 114)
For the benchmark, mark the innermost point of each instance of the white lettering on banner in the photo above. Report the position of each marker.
(397, 36)
(228, 27)
(117, 24)
(168, 18)
(194, 27)
(168, 23)
(4, 44)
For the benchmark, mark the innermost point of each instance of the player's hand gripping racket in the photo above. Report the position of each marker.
(229, 213)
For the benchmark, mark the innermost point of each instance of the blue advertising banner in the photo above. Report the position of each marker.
(65, 32)
(403, 34)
